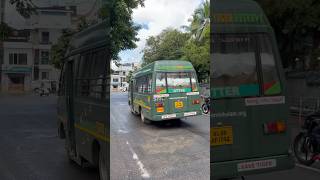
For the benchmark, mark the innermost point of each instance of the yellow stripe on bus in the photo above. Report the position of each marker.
(141, 103)
(92, 133)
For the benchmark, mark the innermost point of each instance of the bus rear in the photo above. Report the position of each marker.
(176, 91)
(249, 121)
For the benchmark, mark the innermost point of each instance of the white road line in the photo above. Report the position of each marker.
(144, 172)
(307, 167)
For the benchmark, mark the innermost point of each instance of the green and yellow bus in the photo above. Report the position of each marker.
(83, 103)
(165, 90)
(249, 116)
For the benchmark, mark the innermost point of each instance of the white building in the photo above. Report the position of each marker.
(26, 61)
(119, 75)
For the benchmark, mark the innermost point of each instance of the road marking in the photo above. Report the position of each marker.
(144, 172)
(307, 167)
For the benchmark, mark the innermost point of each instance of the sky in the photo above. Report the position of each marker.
(156, 16)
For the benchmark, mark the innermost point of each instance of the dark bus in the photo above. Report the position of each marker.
(249, 116)
(83, 103)
(165, 90)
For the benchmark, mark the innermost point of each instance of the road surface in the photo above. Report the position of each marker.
(30, 148)
(160, 150)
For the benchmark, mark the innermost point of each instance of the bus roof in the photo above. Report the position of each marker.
(93, 37)
(165, 66)
(231, 16)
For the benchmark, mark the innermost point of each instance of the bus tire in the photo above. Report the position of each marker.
(103, 170)
(144, 119)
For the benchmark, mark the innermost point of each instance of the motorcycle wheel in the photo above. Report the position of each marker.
(303, 149)
(205, 108)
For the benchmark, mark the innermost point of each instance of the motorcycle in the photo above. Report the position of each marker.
(206, 105)
(306, 145)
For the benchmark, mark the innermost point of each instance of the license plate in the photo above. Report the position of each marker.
(178, 104)
(263, 164)
(221, 136)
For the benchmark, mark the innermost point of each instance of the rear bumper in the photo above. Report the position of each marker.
(164, 117)
(229, 169)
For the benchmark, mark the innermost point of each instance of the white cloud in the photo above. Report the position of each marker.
(159, 15)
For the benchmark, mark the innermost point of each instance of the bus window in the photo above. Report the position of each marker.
(98, 64)
(161, 87)
(234, 70)
(178, 82)
(149, 86)
(271, 83)
(194, 82)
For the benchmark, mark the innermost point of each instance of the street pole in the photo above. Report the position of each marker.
(2, 6)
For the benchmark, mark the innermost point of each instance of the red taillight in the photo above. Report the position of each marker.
(159, 104)
(274, 127)
(196, 101)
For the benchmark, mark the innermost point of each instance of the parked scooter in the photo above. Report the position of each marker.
(306, 145)
(206, 105)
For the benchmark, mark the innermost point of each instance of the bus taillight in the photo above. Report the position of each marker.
(196, 101)
(159, 106)
(274, 127)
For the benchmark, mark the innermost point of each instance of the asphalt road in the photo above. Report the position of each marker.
(160, 150)
(30, 148)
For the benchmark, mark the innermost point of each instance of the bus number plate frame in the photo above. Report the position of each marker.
(221, 136)
(178, 104)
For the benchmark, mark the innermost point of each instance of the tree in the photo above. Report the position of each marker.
(122, 31)
(200, 22)
(166, 46)
(59, 50)
(199, 55)
(129, 76)
(25, 7)
(297, 26)
(4, 31)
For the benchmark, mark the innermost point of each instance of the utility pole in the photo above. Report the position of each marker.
(2, 7)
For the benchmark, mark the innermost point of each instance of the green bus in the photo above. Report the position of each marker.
(83, 102)
(165, 90)
(249, 117)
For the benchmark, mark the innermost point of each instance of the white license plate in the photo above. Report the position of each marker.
(254, 165)
(167, 116)
(190, 113)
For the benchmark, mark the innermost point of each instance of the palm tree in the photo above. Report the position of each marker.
(200, 22)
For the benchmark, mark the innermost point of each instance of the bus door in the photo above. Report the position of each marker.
(250, 113)
(70, 138)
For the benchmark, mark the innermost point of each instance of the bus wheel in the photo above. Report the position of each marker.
(103, 166)
(144, 119)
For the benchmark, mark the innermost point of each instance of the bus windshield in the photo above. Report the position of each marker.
(175, 82)
(237, 59)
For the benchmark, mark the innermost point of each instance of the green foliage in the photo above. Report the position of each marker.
(123, 31)
(166, 46)
(296, 24)
(59, 50)
(199, 55)
(4, 31)
(24, 7)
(193, 46)
(129, 76)
(200, 22)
